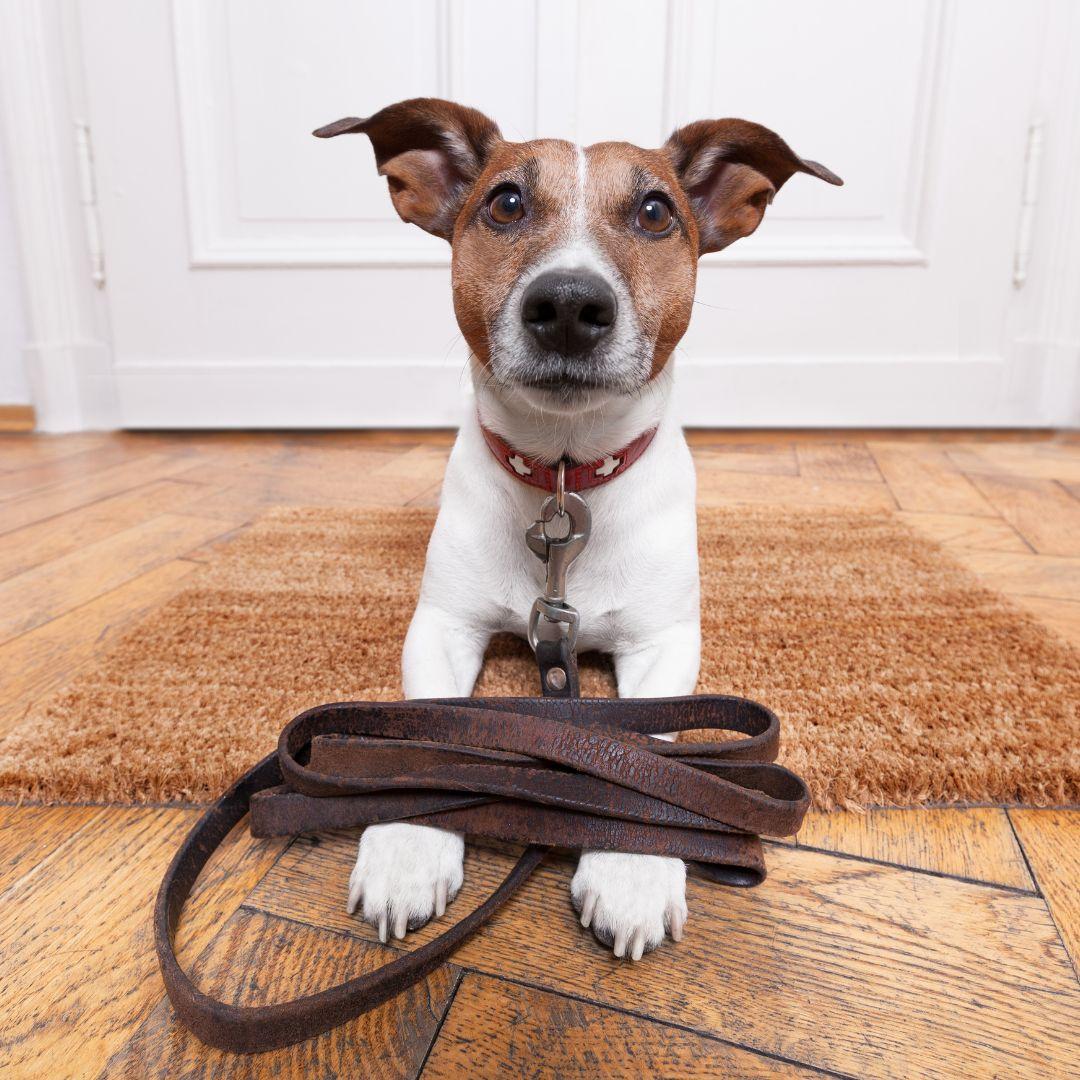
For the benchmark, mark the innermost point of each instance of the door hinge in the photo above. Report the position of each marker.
(1029, 196)
(84, 154)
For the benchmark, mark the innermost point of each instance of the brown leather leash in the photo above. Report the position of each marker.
(546, 772)
(556, 771)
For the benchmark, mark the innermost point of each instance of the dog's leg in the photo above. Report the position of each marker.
(629, 901)
(406, 873)
(442, 655)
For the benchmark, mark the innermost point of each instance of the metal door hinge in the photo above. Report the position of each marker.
(1029, 196)
(88, 200)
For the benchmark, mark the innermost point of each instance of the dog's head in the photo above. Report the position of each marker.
(574, 268)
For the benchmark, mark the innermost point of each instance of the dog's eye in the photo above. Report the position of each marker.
(506, 206)
(655, 214)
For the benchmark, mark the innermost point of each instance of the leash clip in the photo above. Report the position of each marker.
(557, 552)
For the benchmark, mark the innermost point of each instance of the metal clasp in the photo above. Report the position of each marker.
(557, 551)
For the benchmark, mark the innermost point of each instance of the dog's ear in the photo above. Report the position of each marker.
(730, 170)
(430, 152)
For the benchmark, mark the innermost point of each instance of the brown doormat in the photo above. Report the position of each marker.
(899, 679)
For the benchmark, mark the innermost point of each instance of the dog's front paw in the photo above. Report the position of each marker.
(405, 874)
(630, 900)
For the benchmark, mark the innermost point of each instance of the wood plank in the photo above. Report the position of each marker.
(926, 480)
(208, 552)
(837, 963)
(1051, 841)
(966, 531)
(373, 438)
(719, 487)
(29, 834)
(975, 843)
(59, 498)
(79, 966)
(430, 497)
(79, 466)
(17, 418)
(20, 450)
(255, 494)
(1041, 511)
(771, 458)
(238, 502)
(360, 478)
(45, 592)
(258, 959)
(418, 467)
(1061, 616)
(56, 536)
(837, 461)
(1025, 575)
(919, 437)
(497, 1028)
(343, 468)
(44, 659)
(1042, 460)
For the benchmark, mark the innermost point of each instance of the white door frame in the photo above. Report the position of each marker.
(68, 355)
(1047, 310)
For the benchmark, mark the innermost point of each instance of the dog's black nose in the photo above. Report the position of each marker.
(569, 311)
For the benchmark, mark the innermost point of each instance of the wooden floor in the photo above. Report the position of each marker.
(900, 943)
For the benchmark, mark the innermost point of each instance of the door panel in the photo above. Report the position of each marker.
(258, 276)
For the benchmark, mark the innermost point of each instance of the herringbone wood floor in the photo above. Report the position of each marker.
(896, 943)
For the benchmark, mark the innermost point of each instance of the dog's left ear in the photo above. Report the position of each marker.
(430, 152)
(730, 170)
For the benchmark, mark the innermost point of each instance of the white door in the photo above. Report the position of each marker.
(258, 276)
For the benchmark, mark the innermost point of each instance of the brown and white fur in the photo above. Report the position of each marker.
(581, 226)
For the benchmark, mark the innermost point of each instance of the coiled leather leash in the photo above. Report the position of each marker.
(556, 771)
(541, 771)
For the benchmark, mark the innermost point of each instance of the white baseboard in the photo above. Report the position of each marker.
(752, 392)
(869, 392)
(292, 394)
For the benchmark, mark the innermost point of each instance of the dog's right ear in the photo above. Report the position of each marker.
(430, 152)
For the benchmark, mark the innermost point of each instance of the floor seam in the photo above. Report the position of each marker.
(1000, 887)
(463, 970)
(1073, 960)
(459, 977)
(1024, 855)
(672, 1024)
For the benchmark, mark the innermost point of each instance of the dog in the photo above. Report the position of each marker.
(573, 275)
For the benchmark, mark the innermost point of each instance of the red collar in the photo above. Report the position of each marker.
(579, 476)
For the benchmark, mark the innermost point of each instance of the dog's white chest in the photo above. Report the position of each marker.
(636, 575)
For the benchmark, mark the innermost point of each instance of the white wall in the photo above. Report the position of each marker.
(14, 389)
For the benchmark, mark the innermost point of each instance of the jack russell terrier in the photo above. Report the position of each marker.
(573, 273)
